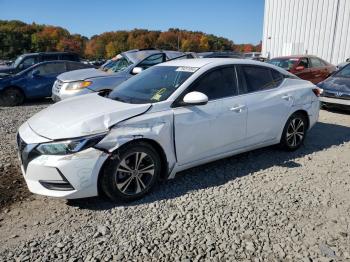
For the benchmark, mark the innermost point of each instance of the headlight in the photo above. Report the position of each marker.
(69, 146)
(78, 85)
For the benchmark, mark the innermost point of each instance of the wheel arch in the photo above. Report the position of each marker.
(17, 87)
(148, 141)
(305, 114)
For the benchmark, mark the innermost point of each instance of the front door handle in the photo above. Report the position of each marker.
(237, 108)
(287, 97)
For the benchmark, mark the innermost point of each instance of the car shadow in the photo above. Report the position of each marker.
(321, 137)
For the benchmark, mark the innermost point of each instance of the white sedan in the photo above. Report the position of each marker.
(170, 117)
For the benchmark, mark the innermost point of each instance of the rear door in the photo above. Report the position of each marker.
(268, 104)
(201, 132)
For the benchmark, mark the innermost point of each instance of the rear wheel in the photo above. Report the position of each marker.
(131, 172)
(294, 132)
(11, 96)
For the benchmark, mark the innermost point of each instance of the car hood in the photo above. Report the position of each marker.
(5, 69)
(82, 74)
(81, 116)
(339, 84)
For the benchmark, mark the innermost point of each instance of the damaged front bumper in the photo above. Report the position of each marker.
(64, 176)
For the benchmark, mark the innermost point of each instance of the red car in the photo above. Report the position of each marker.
(306, 67)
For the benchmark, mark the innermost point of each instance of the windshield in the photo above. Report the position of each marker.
(153, 85)
(17, 61)
(344, 72)
(285, 63)
(116, 65)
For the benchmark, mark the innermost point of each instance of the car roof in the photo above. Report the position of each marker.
(48, 53)
(213, 62)
(200, 62)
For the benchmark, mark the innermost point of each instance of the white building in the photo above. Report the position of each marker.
(315, 27)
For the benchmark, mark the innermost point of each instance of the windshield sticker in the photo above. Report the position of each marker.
(187, 69)
(158, 94)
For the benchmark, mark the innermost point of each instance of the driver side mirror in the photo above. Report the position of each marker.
(35, 73)
(195, 98)
(136, 70)
(300, 68)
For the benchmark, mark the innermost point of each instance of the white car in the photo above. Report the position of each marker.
(170, 117)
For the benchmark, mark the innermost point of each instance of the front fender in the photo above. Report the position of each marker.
(157, 127)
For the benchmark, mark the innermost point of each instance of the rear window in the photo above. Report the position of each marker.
(259, 78)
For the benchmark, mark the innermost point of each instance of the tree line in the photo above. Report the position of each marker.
(17, 37)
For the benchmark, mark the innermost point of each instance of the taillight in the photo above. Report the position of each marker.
(317, 91)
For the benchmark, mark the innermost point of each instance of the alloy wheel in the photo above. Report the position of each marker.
(295, 132)
(134, 173)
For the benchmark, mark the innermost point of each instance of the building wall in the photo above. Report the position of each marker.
(315, 27)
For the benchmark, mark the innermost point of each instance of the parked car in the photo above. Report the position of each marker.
(220, 54)
(171, 117)
(336, 89)
(306, 67)
(34, 82)
(27, 60)
(341, 65)
(111, 74)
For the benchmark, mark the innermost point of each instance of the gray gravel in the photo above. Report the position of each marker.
(265, 205)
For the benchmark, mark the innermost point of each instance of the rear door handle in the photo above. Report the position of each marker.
(238, 108)
(287, 97)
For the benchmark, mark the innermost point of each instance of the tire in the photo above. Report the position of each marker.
(11, 96)
(294, 132)
(121, 177)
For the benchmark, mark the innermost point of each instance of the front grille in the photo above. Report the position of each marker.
(27, 152)
(335, 94)
(21, 144)
(57, 86)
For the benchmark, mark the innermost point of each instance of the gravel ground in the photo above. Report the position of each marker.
(265, 205)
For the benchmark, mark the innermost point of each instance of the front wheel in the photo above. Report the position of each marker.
(131, 172)
(294, 132)
(11, 96)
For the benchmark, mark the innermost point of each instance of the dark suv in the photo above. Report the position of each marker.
(27, 60)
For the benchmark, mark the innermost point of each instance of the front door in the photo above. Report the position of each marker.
(40, 84)
(219, 126)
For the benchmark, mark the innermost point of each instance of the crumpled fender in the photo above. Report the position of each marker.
(157, 127)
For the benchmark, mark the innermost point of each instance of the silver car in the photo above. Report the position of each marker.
(111, 74)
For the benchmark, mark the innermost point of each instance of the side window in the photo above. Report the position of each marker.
(304, 62)
(277, 77)
(217, 84)
(316, 62)
(49, 57)
(68, 57)
(51, 68)
(258, 78)
(151, 61)
(27, 62)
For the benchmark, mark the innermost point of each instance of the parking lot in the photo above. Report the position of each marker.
(264, 205)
